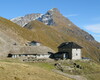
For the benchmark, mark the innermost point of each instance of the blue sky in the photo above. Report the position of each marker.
(83, 13)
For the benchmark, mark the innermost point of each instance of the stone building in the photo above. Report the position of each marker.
(69, 50)
(31, 51)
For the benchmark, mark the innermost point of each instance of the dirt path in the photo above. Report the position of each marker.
(76, 77)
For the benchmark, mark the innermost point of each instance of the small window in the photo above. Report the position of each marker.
(76, 54)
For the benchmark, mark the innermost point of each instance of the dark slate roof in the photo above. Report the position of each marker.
(31, 50)
(61, 53)
(69, 45)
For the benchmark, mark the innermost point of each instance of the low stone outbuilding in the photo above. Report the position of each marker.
(69, 50)
(31, 51)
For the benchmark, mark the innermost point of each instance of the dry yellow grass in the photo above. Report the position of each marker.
(20, 71)
(15, 31)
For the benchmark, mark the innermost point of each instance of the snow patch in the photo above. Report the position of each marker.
(17, 18)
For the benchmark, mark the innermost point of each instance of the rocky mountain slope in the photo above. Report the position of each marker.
(22, 21)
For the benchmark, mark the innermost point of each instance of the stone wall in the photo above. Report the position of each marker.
(76, 54)
(31, 55)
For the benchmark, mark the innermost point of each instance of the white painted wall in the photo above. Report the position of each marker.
(31, 56)
(43, 56)
(76, 54)
(37, 56)
(38, 44)
(15, 56)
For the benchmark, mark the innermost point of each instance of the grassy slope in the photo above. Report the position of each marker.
(46, 35)
(14, 69)
(23, 71)
(90, 69)
(9, 27)
(51, 37)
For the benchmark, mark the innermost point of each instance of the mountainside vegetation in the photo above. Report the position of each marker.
(11, 34)
(15, 31)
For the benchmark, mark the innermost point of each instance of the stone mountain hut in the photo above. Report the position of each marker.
(69, 50)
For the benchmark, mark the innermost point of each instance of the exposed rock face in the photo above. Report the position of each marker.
(54, 18)
(48, 17)
(22, 21)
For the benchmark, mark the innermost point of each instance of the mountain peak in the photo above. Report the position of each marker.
(48, 18)
(54, 9)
